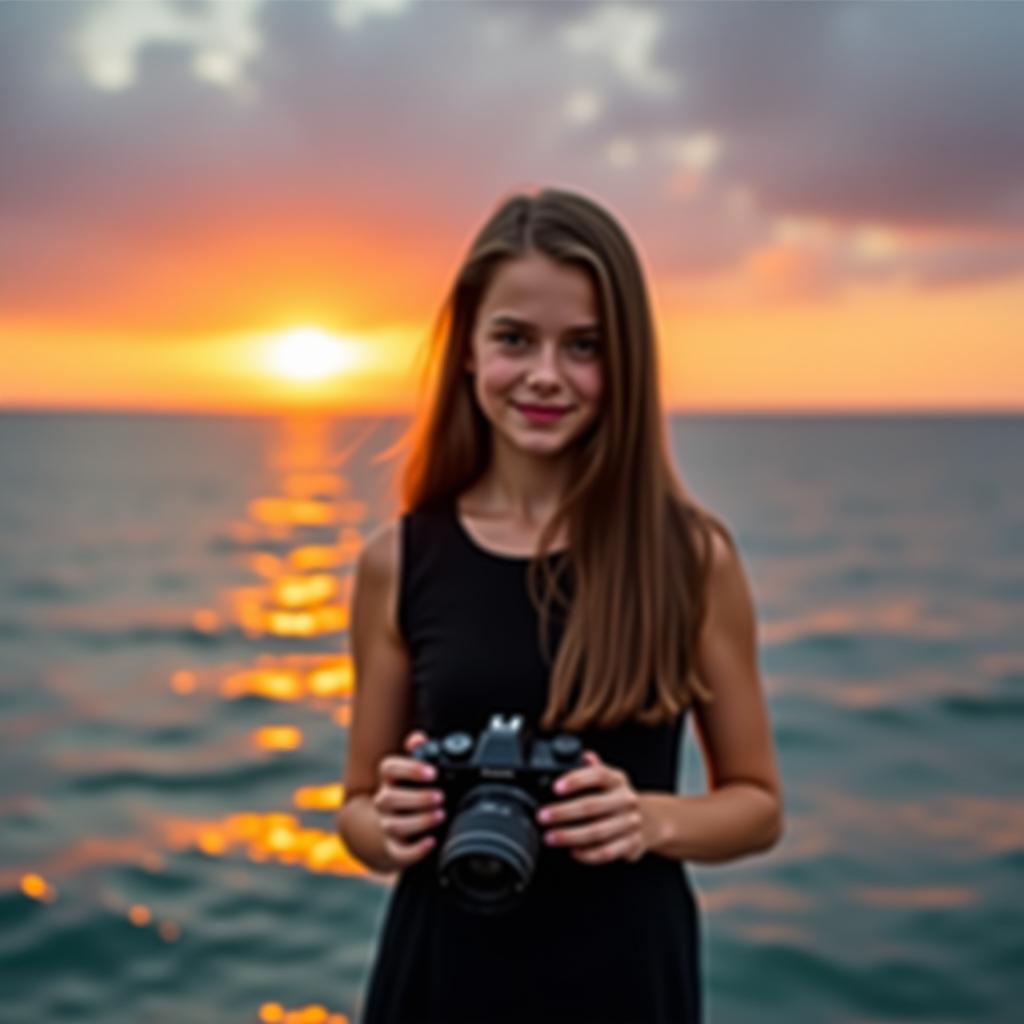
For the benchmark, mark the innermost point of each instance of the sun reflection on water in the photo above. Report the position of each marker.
(296, 546)
(297, 595)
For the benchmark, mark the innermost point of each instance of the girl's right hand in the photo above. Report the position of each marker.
(404, 811)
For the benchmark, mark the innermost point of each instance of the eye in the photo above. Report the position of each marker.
(506, 334)
(591, 342)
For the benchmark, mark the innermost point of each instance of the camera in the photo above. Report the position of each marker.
(494, 786)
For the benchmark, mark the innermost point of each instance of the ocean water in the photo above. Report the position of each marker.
(175, 689)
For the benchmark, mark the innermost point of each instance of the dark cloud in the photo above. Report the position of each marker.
(412, 124)
(910, 114)
(967, 264)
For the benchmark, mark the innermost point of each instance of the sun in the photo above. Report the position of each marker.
(309, 354)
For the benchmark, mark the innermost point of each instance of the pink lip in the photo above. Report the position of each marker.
(541, 414)
(544, 410)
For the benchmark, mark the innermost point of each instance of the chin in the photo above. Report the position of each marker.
(550, 444)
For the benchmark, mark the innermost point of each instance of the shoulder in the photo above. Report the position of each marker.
(378, 568)
(712, 541)
(378, 557)
(724, 585)
(724, 561)
(729, 599)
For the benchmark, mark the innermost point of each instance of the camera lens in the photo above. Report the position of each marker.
(485, 881)
(491, 850)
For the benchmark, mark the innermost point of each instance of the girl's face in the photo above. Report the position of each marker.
(537, 344)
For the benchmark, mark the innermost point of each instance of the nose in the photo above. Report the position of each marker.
(543, 375)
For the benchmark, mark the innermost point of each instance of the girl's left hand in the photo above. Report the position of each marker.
(617, 819)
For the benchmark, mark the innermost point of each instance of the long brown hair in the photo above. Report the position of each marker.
(639, 546)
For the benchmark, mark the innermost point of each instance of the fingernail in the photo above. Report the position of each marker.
(428, 772)
(561, 786)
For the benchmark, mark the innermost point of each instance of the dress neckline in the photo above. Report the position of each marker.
(498, 556)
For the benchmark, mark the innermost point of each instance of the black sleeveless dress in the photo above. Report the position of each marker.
(614, 943)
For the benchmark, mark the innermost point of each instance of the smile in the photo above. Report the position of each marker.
(540, 414)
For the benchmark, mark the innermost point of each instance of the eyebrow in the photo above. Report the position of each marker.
(516, 322)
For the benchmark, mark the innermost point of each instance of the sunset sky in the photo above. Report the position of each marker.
(259, 205)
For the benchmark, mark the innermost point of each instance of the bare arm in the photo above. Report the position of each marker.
(382, 697)
(743, 811)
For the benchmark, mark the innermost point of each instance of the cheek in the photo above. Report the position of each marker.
(589, 383)
(497, 376)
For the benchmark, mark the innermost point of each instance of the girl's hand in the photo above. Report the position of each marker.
(404, 811)
(617, 823)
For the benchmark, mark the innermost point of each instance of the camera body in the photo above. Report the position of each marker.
(494, 784)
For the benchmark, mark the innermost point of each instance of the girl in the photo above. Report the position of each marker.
(543, 520)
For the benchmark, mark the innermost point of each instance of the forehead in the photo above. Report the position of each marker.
(539, 290)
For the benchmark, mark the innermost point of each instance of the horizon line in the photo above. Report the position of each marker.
(367, 412)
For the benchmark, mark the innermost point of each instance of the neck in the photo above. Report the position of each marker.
(523, 486)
